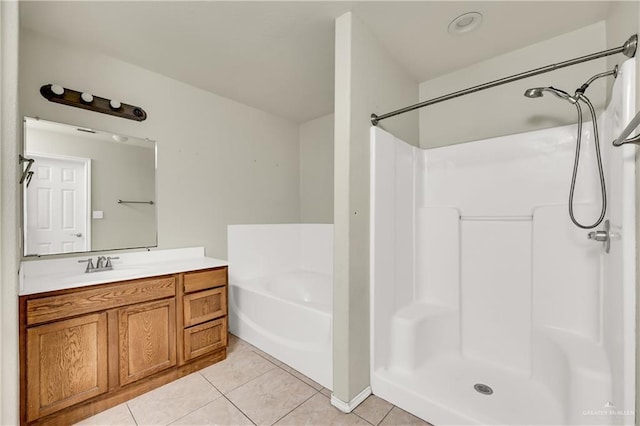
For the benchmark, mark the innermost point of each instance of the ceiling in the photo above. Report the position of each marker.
(278, 56)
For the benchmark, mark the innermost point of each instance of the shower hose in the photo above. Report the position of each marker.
(582, 97)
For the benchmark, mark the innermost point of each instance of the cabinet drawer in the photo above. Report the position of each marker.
(202, 280)
(204, 306)
(204, 338)
(100, 298)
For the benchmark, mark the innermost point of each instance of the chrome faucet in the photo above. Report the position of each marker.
(102, 264)
(90, 267)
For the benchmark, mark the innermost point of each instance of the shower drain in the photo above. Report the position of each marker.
(483, 389)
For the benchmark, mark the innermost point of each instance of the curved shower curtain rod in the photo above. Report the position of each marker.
(628, 49)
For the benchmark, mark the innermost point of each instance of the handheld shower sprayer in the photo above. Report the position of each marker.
(579, 95)
(538, 92)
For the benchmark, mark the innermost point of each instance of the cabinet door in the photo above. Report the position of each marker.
(147, 339)
(204, 306)
(66, 363)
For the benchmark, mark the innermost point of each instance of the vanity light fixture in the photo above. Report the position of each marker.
(86, 97)
(85, 100)
(57, 89)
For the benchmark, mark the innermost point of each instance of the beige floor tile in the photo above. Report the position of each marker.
(318, 411)
(268, 357)
(116, 416)
(373, 409)
(326, 392)
(236, 344)
(219, 412)
(172, 401)
(399, 417)
(236, 370)
(299, 375)
(270, 396)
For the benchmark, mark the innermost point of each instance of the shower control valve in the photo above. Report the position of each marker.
(603, 236)
(598, 235)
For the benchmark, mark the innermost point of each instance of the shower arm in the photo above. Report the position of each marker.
(585, 86)
(628, 49)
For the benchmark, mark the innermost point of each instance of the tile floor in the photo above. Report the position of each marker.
(248, 388)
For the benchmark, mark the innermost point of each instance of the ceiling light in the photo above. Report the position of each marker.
(465, 23)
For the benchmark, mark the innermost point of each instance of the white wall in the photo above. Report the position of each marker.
(9, 213)
(316, 170)
(219, 161)
(504, 110)
(367, 80)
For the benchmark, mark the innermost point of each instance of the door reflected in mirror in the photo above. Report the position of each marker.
(90, 190)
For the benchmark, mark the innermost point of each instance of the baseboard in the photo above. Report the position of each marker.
(347, 407)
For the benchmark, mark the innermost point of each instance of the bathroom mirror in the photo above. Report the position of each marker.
(86, 190)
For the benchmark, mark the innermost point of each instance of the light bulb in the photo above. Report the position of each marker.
(87, 97)
(115, 104)
(57, 89)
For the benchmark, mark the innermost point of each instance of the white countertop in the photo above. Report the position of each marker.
(39, 276)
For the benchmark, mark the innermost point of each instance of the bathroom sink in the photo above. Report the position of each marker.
(65, 280)
(117, 273)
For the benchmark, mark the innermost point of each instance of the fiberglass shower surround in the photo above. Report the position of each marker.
(488, 306)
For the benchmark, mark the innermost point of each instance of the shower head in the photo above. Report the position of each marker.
(534, 92)
(537, 92)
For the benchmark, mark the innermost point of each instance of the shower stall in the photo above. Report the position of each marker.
(488, 305)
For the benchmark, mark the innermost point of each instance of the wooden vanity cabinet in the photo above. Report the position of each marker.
(87, 349)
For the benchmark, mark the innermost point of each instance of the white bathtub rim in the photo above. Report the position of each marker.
(256, 285)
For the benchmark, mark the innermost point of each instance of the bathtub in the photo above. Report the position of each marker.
(289, 317)
(280, 294)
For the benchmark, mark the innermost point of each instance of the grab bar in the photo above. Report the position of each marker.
(635, 121)
(134, 202)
